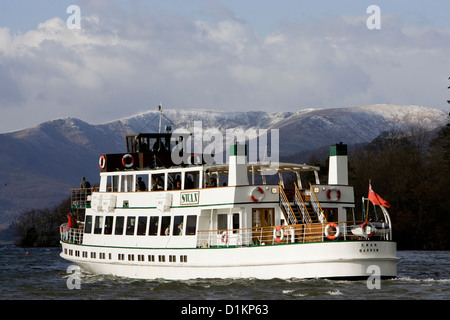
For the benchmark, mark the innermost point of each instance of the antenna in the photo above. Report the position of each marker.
(160, 116)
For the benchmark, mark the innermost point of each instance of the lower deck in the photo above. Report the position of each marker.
(338, 259)
(190, 237)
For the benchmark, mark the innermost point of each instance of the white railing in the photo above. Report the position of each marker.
(287, 207)
(81, 198)
(316, 206)
(71, 235)
(298, 233)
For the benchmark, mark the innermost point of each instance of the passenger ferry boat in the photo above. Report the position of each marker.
(151, 219)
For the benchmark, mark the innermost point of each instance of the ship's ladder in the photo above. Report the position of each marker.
(286, 207)
(298, 199)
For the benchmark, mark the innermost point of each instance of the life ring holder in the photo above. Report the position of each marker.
(327, 231)
(338, 194)
(128, 161)
(366, 235)
(224, 237)
(102, 162)
(254, 196)
(276, 237)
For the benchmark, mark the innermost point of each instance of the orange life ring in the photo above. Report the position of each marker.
(336, 235)
(277, 238)
(338, 194)
(102, 162)
(128, 160)
(253, 195)
(224, 237)
(370, 235)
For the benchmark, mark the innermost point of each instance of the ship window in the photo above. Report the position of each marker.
(174, 181)
(113, 183)
(108, 224)
(119, 225)
(98, 224)
(142, 182)
(153, 230)
(157, 182)
(142, 226)
(88, 224)
(191, 224)
(127, 183)
(331, 214)
(191, 180)
(178, 226)
(235, 222)
(165, 226)
(222, 221)
(262, 218)
(131, 223)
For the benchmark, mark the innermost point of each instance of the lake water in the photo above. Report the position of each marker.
(42, 274)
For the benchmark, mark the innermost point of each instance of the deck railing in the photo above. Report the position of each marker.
(81, 198)
(299, 233)
(260, 236)
(71, 235)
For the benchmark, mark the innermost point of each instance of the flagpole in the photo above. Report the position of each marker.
(367, 211)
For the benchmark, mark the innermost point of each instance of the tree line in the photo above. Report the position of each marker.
(410, 170)
(40, 227)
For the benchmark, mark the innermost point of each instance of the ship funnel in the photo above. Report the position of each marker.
(237, 170)
(338, 166)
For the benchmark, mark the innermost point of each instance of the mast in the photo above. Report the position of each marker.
(160, 116)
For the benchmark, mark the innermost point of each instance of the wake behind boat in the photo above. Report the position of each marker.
(150, 218)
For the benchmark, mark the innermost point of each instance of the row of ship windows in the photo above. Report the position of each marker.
(125, 257)
(141, 226)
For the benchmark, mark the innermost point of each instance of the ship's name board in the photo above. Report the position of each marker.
(189, 198)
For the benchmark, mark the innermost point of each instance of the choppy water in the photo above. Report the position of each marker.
(42, 274)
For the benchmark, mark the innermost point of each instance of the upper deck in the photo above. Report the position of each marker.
(212, 197)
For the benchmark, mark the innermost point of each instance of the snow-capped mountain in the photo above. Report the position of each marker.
(40, 164)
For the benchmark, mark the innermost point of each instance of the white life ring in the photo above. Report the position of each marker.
(194, 159)
(128, 160)
(102, 162)
(338, 194)
(336, 235)
(224, 237)
(257, 194)
(372, 228)
(278, 237)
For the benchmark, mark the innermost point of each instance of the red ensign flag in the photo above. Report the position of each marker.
(376, 199)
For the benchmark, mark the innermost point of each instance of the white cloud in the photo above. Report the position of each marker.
(121, 63)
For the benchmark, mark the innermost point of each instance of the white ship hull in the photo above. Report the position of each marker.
(309, 260)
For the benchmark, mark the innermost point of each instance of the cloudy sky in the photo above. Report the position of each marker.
(283, 55)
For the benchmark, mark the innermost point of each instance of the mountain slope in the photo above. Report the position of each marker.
(321, 127)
